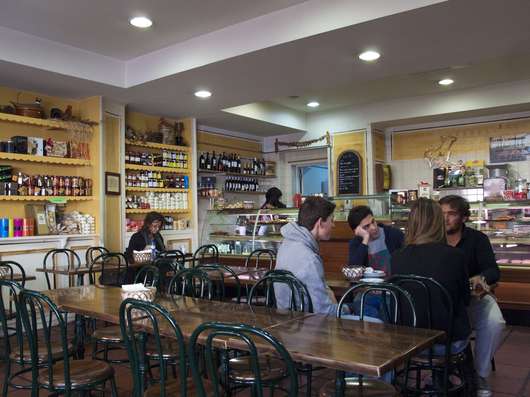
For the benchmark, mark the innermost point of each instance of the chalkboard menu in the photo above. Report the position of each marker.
(349, 173)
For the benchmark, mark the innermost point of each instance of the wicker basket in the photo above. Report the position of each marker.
(353, 273)
(142, 256)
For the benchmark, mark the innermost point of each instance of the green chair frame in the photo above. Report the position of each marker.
(192, 282)
(73, 261)
(222, 270)
(209, 331)
(148, 275)
(152, 317)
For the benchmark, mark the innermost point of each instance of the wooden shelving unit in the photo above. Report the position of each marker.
(153, 145)
(212, 172)
(45, 198)
(229, 192)
(46, 123)
(156, 189)
(161, 210)
(44, 159)
(168, 170)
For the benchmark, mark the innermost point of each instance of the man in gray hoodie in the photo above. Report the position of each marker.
(300, 254)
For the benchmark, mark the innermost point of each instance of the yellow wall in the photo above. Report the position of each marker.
(379, 147)
(113, 223)
(354, 140)
(90, 109)
(208, 142)
(470, 138)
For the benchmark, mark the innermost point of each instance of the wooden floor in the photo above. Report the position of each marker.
(512, 377)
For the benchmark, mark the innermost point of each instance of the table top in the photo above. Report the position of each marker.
(366, 348)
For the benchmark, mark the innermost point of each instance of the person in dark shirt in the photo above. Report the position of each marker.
(427, 254)
(373, 243)
(149, 234)
(484, 312)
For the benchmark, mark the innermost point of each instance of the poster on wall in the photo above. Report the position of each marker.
(510, 148)
(349, 173)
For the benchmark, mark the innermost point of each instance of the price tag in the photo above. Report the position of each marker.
(57, 200)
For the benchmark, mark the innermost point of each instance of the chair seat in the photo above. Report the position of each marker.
(108, 334)
(437, 361)
(170, 349)
(82, 373)
(271, 369)
(369, 388)
(42, 354)
(173, 388)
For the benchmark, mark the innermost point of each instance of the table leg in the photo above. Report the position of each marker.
(340, 383)
(80, 335)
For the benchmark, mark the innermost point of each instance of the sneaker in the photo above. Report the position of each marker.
(483, 388)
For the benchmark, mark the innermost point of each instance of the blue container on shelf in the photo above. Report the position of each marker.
(4, 227)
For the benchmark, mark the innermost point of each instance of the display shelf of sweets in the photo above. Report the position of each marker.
(155, 180)
(169, 159)
(169, 170)
(155, 201)
(33, 187)
(171, 223)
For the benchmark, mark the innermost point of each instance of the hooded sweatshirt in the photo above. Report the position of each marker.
(300, 254)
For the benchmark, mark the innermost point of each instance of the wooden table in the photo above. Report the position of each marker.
(344, 345)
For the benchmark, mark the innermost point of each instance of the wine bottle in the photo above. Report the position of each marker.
(202, 165)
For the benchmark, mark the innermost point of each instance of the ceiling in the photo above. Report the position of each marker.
(476, 42)
(102, 26)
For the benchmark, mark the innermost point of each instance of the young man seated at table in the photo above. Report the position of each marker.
(373, 243)
(300, 254)
(484, 312)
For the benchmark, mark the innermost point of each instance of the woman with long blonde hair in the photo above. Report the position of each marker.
(427, 254)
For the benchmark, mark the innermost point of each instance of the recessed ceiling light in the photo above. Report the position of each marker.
(313, 104)
(203, 94)
(446, 82)
(369, 56)
(141, 22)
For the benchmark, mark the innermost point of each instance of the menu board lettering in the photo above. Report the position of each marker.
(349, 173)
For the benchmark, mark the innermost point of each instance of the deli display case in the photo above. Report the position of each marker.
(237, 232)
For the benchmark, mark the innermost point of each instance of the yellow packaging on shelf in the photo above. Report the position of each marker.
(475, 163)
(11, 228)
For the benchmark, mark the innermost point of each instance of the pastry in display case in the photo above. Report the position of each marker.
(237, 232)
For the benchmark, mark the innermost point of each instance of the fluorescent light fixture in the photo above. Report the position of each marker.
(141, 22)
(313, 104)
(446, 82)
(369, 56)
(203, 94)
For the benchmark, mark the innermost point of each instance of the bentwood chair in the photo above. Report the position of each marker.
(155, 318)
(218, 275)
(206, 254)
(431, 296)
(299, 299)
(400, 308)
(56, 258)
(59, 377)
(12, 271)
(18, 353)
(113, 270)
(148, 275)
(261, 259)
(193, 282)
(168, 263)
(259, 371)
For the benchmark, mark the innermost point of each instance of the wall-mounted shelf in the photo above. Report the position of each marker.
(161, 210)
(156, 189)
(223, 173)
(170, 170)
(45, 198)
(153, 145)
(229, 192)
(44, 159)
(47, 123)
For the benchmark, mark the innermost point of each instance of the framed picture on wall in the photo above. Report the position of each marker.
(112, 183)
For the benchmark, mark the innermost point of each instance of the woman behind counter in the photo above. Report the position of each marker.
(149, 234)
(272, 199)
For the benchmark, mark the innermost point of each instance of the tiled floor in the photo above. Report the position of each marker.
(511, 379)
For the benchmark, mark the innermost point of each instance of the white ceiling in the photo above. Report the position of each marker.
(102, 26)
(478, 42)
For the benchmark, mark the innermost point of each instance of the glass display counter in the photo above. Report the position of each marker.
(237, 232)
